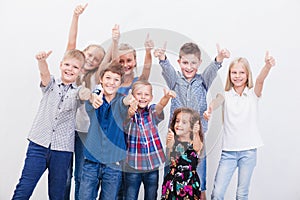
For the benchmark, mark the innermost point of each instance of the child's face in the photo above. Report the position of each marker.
(70, 69)
(143, 94)
(128, 62)
(182, 125)
(110, 83)
(93, 58)
(238, 75)
(189, 64)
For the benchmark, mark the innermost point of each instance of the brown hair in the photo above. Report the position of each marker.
(115, 68)
(195, 117)
(190, 48)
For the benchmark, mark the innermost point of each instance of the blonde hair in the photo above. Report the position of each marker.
(89, 73)
(244, 62)
(141, 82)
(127, 48)
(76, 54)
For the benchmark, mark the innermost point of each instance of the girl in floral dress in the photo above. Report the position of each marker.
(184, 143)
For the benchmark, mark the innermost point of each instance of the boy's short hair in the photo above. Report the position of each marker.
(114, 67)
(141, 82)
(75, 53)
(190, 48)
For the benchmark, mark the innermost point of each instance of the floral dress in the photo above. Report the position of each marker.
(182, 181)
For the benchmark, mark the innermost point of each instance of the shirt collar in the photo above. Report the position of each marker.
(59, 82)
(244, 93)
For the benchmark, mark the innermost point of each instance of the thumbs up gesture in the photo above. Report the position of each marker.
(269, 60)
(42, 56)
(84, 92)
(207, 113)
(129, 99)
(79, 9)
(97, 100)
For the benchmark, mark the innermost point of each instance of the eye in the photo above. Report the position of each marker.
(185, 62)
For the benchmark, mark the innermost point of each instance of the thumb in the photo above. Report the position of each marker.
(267, 54)
(49, 52)
(83, 84)
(218, 47)
(85, 5)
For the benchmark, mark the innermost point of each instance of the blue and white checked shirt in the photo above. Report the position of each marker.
(190, 94)
(54, 123)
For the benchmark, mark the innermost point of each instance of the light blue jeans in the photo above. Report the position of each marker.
(245, 161)
(109, 177)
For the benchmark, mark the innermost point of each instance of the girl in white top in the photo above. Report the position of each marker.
(241, 136)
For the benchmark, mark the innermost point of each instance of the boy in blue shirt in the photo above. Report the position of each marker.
(105, 146)
(191, 88)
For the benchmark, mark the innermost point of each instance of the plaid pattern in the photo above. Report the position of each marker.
(145, 151)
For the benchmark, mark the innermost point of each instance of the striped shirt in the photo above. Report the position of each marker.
(144, 148)
(191, 94)
(54, 124)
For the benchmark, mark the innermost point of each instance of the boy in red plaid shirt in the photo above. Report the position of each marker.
(144, 149)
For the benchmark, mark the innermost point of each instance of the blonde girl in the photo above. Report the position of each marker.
(241, 136)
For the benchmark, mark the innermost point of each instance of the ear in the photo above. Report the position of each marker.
(178, 61)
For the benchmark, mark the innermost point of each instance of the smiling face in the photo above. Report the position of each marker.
(143, 94)
(128, 62)
(238, 76)
(182, 126)
(93, 57)
(70, 69)
(189, 64)
(110, 83)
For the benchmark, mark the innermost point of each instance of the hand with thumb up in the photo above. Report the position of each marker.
(84, 92)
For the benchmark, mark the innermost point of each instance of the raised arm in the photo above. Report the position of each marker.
(149, 44)
(269, 63)
(43, 67)
(197, 144)
(74, 27)
(112, 52)
(164, 100)
(214, 104)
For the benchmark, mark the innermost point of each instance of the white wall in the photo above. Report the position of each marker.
(246, 28)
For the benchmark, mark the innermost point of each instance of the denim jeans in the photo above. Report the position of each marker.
(133, 181)
(38, 159)
(245, 161)
(79, 160)
(109, 177)
(201, 169)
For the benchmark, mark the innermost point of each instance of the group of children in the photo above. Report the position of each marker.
(102, 111)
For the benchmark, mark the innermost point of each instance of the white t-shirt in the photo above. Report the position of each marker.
(240, 129)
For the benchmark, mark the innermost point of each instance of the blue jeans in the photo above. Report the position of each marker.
(93, 173)
(133, 181)
(38, 159)
(79, 160)
(245, 161)
(201, 169)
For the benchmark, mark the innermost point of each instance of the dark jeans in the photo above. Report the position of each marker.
(38, 159)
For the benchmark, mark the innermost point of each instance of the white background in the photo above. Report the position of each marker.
(246, 28)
